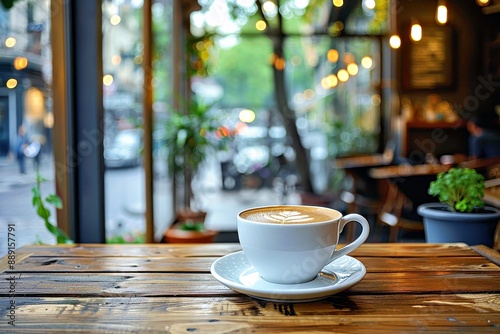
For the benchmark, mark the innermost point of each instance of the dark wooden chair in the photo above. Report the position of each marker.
(365, 195)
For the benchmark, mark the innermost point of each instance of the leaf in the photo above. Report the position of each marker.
(43, 212)
(61, 237)
(54, 200)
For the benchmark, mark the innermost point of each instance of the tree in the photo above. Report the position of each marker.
(273, 21)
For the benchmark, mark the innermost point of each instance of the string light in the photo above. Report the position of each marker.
(483, 3)
(416, 32)
(441, 13)
(395, 41)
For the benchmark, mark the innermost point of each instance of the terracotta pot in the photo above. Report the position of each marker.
(176, 235)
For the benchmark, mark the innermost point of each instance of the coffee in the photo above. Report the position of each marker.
(290, 214)
(290, 244)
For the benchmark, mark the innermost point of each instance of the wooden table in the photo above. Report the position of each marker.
(492, 192)
(405, 170)
(169, 289)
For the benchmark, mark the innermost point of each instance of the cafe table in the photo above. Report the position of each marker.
(169, 288)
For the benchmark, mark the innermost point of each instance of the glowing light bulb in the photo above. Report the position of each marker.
(10, 42)
(11, 83)
(367, 62)
(370, 4)
(20, 63)
(260, 25)
(343, 75)
(441, 13)
(247, 116)
(416, 32)
(338, 3)
(115, 19)
(333, 56)
(483, 3)
(353, 69)
(107, 80)
(395, 41)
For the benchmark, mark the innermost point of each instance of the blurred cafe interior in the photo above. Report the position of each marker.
(146, 109)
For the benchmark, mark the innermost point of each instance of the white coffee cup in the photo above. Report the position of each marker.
(290, 244)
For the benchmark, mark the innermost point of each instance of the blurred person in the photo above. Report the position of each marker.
(484, 140)
(22, 143)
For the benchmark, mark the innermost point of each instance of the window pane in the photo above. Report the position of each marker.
(331, 78)
(162, 105)
(123, 85)
(346, 100)
(123, 135)
(26, 119)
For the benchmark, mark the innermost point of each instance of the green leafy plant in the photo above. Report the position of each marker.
(39, 203)
(462, 189)
(192, 226)
(190, 136)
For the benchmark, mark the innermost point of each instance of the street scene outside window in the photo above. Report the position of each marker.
(330, 85)
(26, 117)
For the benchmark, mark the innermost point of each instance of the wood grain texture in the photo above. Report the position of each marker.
(178, 284)
(169, 289)
(368, 314)
(190, 264)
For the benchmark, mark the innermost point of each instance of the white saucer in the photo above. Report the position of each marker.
(235, 272)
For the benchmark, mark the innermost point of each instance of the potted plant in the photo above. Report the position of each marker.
(461, 215)
(190, 137)
(189, 232)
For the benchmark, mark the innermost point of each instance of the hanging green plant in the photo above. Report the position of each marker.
(39, 203)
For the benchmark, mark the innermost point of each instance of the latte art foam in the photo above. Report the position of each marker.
(290, 215)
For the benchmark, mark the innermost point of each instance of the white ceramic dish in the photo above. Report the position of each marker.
(235, 272)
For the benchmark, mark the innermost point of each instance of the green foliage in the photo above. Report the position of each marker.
(192, 226)
(245, 73)
(40, 206)
(127, 238)
(191, 137)
(462, 189)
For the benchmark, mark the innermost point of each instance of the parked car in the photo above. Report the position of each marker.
(125, 150)
(253, 160)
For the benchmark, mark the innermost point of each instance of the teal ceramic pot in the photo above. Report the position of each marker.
(444, 226)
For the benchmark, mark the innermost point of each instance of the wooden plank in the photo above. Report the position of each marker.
(415, 264)
(168, 284)
(365, 314)
(432, 323)
(114, 264)
(173, 264)
(241, 305)
(7, 263)
(221, 249)
(490, 254)
(412, 250)
(136, 250)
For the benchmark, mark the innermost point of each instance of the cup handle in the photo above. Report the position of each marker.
(353, 217)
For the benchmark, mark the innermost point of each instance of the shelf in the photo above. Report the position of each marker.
(433, 125)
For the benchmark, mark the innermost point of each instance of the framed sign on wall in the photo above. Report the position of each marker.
(429, 63)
